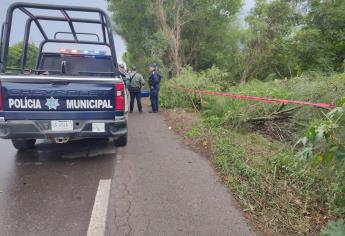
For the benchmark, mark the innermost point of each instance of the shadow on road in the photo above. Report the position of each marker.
(82, 149)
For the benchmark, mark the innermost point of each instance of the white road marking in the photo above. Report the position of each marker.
(100, 208)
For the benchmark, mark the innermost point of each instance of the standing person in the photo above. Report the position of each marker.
(136, 82)
(154, 82)
(123, 74)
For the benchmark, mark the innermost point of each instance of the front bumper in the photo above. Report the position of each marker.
(41, 129)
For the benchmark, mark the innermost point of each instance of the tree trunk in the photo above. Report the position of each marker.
(173, 32)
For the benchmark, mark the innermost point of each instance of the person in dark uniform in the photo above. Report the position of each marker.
(154, 82)
(136, 82)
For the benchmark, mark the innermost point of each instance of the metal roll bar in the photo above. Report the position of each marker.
(63, 32)
(104, 21)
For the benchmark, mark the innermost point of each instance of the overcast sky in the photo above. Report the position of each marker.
(19, 21)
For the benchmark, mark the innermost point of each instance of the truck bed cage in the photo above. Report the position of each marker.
(26, 8)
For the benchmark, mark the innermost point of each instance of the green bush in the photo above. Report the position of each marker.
(241, 113)
(173, 94)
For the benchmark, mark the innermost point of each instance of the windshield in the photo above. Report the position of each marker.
(76, 65)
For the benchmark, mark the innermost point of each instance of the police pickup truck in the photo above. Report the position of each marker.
(72, 93)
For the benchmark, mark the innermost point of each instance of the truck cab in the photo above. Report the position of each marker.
(71, 93)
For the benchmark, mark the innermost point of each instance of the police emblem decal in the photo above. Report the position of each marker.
(52, 103)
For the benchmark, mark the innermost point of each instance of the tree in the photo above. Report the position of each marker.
(283, 38)
(15, 55)
(211, 36)
(318, 42)
(312, 52)
(170, 23)
(326, 19)
(177, 33)
(267, 44)
(136, 22)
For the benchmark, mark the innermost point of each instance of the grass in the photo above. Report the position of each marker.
(266, 179)
(276, 190)
(195, 132)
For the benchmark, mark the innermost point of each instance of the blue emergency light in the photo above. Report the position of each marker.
(81, 52)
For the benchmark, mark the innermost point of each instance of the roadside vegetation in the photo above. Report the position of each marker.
(15, 55)
(285, 163)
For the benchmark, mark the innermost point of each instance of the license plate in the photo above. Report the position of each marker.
(98, 127)
(62, 125)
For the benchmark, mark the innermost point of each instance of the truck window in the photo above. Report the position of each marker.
(77, 64)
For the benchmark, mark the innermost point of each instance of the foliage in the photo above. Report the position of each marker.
(286, 38)
(281, 38)
(135, 22)
(328, 18)
(334, 228)
(268, 43)
(324, 144)
(311, 54)
(15, 55)
(175, 96)
(202, 39)
(324, 141)
(242, 113)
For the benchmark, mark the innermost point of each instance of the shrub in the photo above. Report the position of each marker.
(173, 94)
(285, 122)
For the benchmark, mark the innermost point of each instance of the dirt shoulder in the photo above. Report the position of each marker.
(187, 124)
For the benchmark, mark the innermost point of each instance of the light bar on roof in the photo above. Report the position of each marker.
(81, 52)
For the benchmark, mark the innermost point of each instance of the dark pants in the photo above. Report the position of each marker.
(135, 94)
(154, 94)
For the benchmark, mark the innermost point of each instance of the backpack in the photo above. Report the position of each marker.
(130, 88)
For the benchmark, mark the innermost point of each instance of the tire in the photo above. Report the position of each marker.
(122, 141)
(23, 144)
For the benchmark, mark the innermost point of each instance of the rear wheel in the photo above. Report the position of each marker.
(24, 144)
(122, 141)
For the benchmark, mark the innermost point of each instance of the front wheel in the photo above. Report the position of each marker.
(24, 144)
(122, 141)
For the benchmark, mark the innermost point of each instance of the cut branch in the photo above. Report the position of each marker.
(277, 115)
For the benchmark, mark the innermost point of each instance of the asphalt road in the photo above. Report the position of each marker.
(157, 187)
